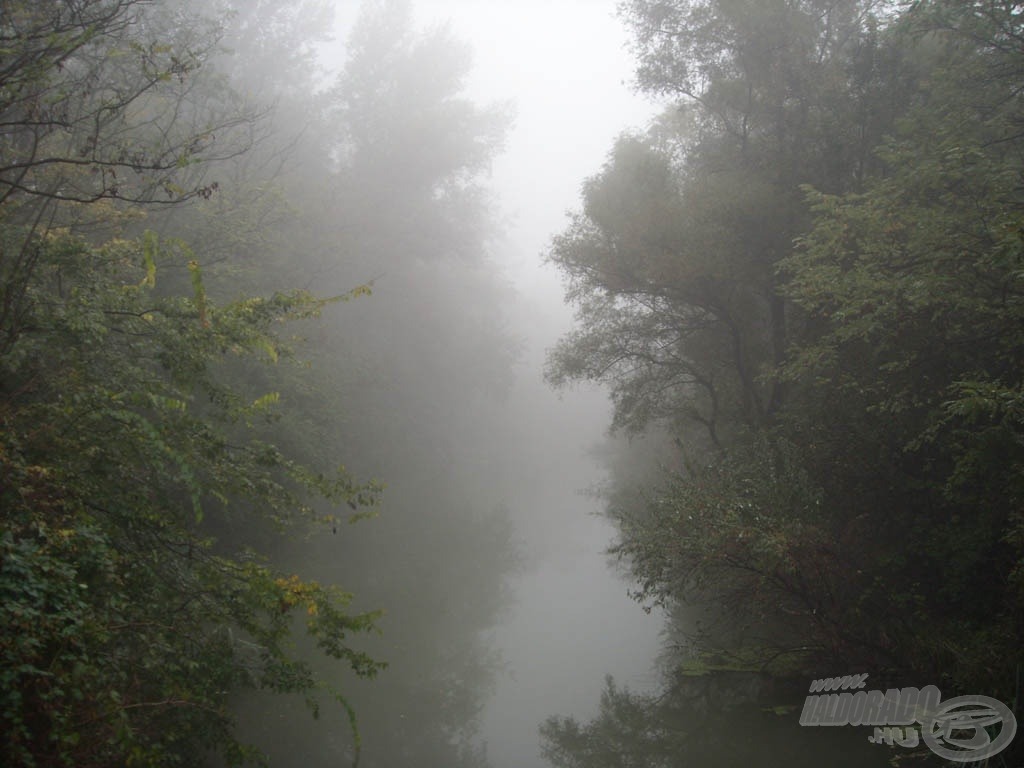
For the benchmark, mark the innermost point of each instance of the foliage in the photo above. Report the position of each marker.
(672, 261)
(625, 733)
(415, 378)
(914, 288)
(151, 216)
(92, 109)
(718, 718)
(121, 449)
(377, 178)
(810, 273)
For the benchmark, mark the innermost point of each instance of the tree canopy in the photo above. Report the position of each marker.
(807, 273)
(187, 428)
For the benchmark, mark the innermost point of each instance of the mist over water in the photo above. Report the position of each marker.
(572, 622)
(564, 67)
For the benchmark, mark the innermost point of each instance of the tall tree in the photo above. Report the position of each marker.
(877, 489)
(128, 439)
(388, 183)
(673, 259)
(126, 623)
(915, 289)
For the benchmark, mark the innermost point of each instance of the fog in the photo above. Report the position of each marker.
(565, 68)
(562, 71)
(462, 384)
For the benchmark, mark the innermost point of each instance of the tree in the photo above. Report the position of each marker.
(914, 286)
(92, 98)
(134, 448)
(132, 622)
(628, 731)
(410, 145)
(387, 182)
(668, 304)
(673, 259)
(99, 103)
(700, 718)
(860, 475)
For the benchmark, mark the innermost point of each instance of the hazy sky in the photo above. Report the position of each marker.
(564, 65)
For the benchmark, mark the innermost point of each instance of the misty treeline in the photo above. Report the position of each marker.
(804, 286)
(250, 350)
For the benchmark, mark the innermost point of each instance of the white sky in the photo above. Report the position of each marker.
(564, 65)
